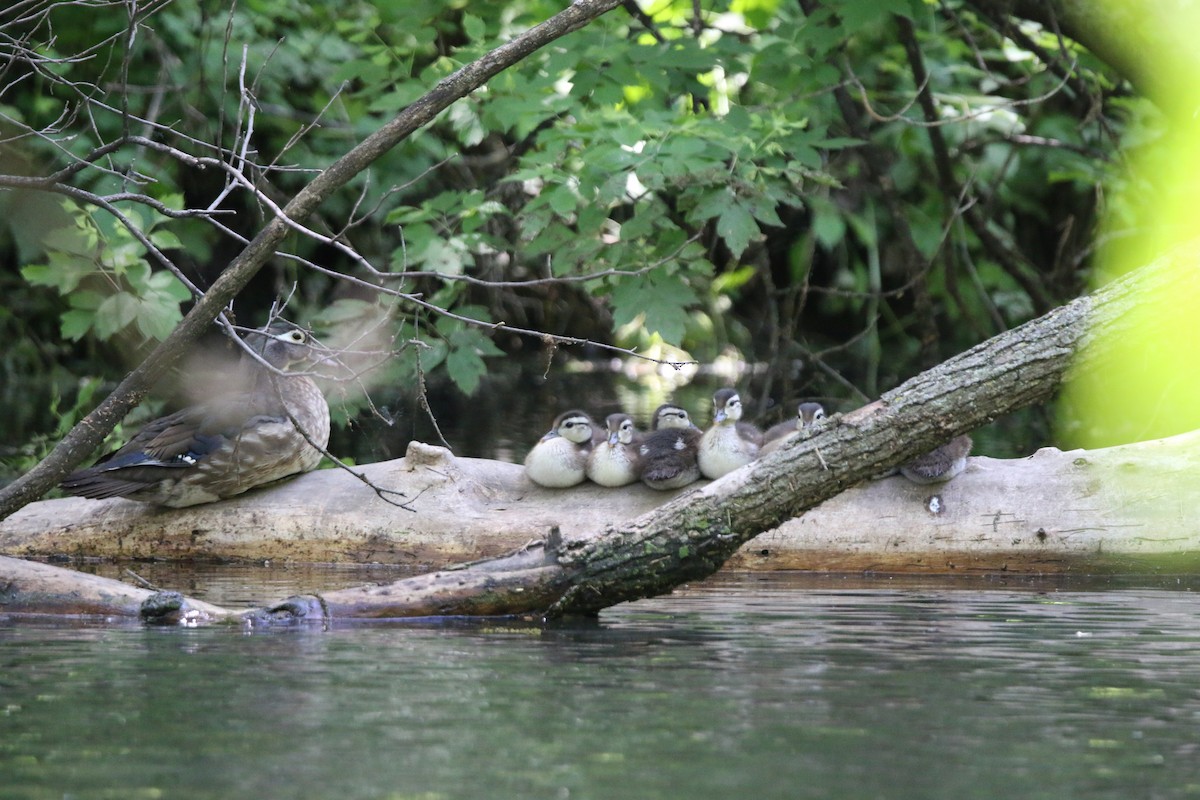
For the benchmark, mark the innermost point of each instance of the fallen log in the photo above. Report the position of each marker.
(1119, 509)
(1001, 515)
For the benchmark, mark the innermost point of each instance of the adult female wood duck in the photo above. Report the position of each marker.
(668, 452)
(729, 443)
(940, 464)
(559, 459)
(807, 415)
(615, 461)
(246, 437)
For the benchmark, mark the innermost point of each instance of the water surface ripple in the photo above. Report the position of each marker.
(743, 686)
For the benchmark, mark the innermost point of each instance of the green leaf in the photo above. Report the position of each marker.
(166, 240)
(660, 299)
(474, 27)
(156, 320)
(39, 275)
(464, 362)
(86, 300)
(562, 200)
(763, 209)
(737, 227)
(165, 283)
(115, 313)
(75, 324)
(711, 204)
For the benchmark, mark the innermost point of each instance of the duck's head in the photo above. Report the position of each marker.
(574, 426)
(670, 416)
(727, 407)
(808, 415)
(620, 429)
(284, 345)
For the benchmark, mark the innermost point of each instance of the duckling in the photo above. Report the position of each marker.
(940, 464)
(729, 443)
(245, 438)
(614, 461)
(807, 415)
(668, 452)
(559, 459)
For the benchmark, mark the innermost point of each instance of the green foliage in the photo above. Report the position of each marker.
(99, 267)
(734, 174)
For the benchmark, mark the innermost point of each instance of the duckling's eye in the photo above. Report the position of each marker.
(819, 414)
(294, 336)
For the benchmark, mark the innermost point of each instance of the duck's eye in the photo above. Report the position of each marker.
(294, 336)
(819, 415)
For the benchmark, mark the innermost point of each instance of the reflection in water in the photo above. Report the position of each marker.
(738, 687)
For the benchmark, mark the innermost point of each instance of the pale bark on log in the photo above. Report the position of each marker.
(1054, 511)
(692, 535)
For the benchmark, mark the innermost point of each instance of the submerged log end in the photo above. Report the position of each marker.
(172, 608)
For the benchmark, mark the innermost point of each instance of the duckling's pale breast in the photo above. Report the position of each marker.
(613, 464)
(723, 449)
(557, 463)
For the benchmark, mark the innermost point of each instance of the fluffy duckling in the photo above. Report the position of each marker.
(668, 452)
(615, 461)
(559, 459)
(729, 443)
(940, 464)
(807, 415)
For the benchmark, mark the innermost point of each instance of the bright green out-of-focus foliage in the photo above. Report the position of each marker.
(1141, 380)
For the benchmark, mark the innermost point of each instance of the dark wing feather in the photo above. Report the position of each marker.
(167, 446)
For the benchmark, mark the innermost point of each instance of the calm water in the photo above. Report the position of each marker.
(742, 687)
